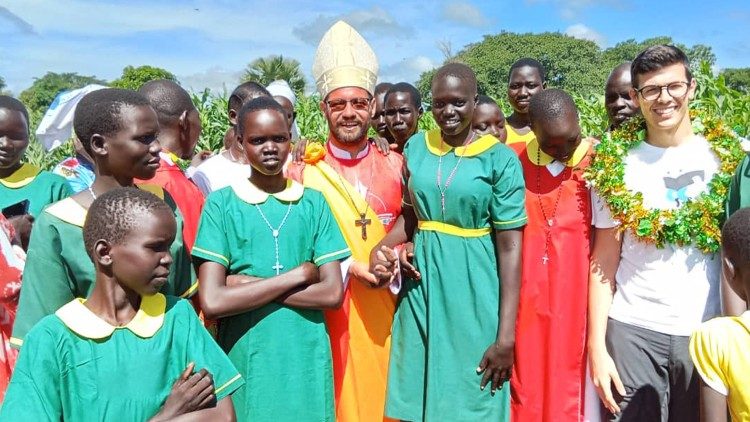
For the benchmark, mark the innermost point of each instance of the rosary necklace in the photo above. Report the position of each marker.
(549, 220)
(449, 180)
(362, 222)
(275, 233)
(91, 191)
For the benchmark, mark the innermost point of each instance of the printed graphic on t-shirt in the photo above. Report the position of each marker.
(687, 186)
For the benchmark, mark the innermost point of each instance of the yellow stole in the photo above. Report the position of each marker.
(322, 177)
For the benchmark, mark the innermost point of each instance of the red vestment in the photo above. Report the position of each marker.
(547, 381)
(360, 330)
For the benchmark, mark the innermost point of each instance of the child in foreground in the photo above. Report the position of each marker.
(126, 352)
(268, 253)
(719, 347)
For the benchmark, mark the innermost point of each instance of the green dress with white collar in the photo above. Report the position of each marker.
(74, 366)
(58, 269)
(283, 353)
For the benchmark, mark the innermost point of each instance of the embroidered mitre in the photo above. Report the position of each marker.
(344, 59)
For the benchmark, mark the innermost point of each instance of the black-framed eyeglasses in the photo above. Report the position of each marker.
(360, 103)
(674, 89)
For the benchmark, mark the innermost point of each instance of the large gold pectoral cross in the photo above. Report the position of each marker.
(363, 222)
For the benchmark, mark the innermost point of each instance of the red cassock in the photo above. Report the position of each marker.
(547, 383)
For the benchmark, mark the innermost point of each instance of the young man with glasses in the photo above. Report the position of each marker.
(363, 188)
(646, 300)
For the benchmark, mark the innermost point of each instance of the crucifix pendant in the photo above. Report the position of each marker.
(278, 267)
(363, 222)
(545, 258)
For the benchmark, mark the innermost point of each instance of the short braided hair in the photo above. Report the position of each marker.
(114, 214)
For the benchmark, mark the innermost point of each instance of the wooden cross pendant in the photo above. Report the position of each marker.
(363, 222)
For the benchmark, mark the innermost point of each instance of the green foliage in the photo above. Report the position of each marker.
(43, 91)
(592, 115)
(265, 70)
(214, 118)
(628, 50)
(714, 95)
(2, 83)
(134, 77)
(36, 154)
(738, 79)
(571, 63)
(311, 122)
(577, 66)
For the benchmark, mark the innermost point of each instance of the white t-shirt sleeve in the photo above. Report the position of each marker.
(601, 216)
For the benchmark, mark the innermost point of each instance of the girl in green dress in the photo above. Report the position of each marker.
(267, 254)
(126, 352)
(118, 128)
(19, 182)
(454, 328)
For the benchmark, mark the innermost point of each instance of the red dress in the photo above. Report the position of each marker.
(547, 382)
(11, 267)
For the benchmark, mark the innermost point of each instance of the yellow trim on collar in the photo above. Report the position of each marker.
(251, 194)
(21, 177)
(435, 146)
(155, 189)
(69, 211)
(533, 147)
(146, 322)
(516, 138)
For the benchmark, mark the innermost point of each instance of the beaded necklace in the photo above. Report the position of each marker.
(549, 220)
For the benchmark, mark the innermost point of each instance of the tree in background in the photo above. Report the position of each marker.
(571, 63)
(134, 77)
(2, 84)
(627, 50)
(43, 91)
(738, 79)
(578, 66)
(265, 70)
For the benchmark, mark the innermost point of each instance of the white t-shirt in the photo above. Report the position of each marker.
(218, 172)
(672, 289)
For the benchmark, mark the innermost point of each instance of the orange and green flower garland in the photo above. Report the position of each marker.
(697, 222)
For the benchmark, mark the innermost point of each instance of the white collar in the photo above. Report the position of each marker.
(343, 154)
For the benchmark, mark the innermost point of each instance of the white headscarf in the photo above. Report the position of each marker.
(281, 88)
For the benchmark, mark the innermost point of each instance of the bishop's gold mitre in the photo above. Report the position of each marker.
(344, 59)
